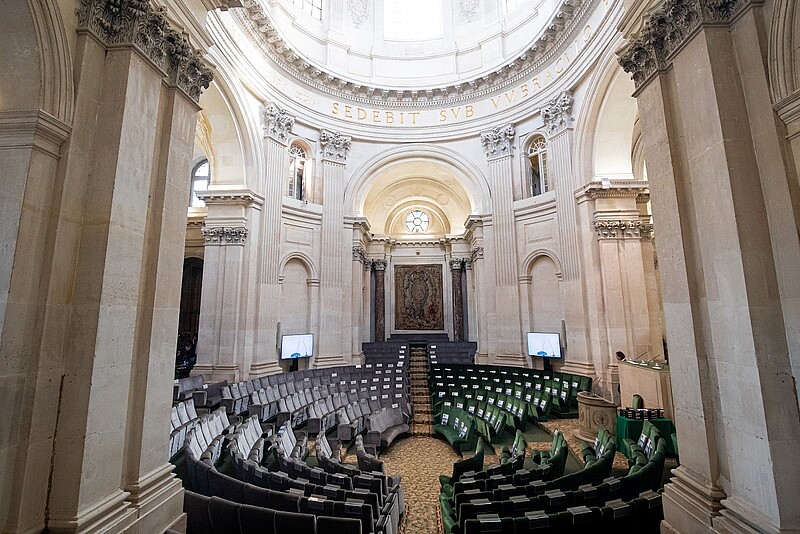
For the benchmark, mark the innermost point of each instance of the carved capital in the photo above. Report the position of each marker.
(137, 23)
(379, 265)
(499, 141)
(278, 123)
(187, 70)
(667, 28)
(335, 146)
(476, 254)
(456, 264)
(557, 113)
(220, 235)
(359, 254)
(622, 229)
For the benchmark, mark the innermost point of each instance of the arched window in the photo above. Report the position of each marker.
(310, 7)
(201, 175)
(297, 166)
(538, 181)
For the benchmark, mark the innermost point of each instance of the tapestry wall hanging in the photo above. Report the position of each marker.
(418, 297)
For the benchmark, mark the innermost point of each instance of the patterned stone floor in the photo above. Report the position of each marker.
(420, 459)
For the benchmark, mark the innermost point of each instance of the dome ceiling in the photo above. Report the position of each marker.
(356, 48)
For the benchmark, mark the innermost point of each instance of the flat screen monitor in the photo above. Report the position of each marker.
(297, 346)
(544, 344)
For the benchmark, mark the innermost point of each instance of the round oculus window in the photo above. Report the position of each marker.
(417, 221)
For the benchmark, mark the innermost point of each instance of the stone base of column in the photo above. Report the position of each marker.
(514, 360)
(259, 369)
(579, 368)
(111, 515)
(331, 360)
(739, 517)
(689, 504)
(158, 501)
(481, 358)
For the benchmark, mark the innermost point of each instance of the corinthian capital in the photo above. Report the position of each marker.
(557, 113)
(667, 28)
(277, 123)
(138, 24)
(499, 141)
(219, 235)
(335, 146)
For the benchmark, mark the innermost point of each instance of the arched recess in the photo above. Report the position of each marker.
(294, 313)
(230, 133)
(784, 50)
(544, 296)
(303, 259)
(469, 177)
(539, 253)
(605, 128)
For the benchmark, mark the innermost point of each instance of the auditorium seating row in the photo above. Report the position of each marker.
(525, 493)
(246, 446)
(522, 394)
(452, 352)
(213, 515)
(184, 388)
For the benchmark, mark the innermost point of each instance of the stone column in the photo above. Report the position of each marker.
(149, 477)
(379, 267)
(507, 346)
(557, 117)
(30, 378)
(277, 124)
(120, 266)
(624, 294)
(220, 316)
(456, 267)
(721, 250)
(334, 288)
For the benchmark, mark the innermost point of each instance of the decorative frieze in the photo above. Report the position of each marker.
(137, 23)
(557, 113)
(666, 29)
(469, 8)
(278, 123)
(566, 19)
(334, 146)
(221, 235)
(622, 229)
(499, 141)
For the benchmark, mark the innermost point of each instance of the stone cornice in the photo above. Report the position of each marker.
(618, 189)
(499, 141)
(231, 196)
(566, 20)
(622, 229)
(138, 24)
(223, 235)
(334, 146)
(666, 29)
(557, 113)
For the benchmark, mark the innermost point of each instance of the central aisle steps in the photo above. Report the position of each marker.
(422, 423)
